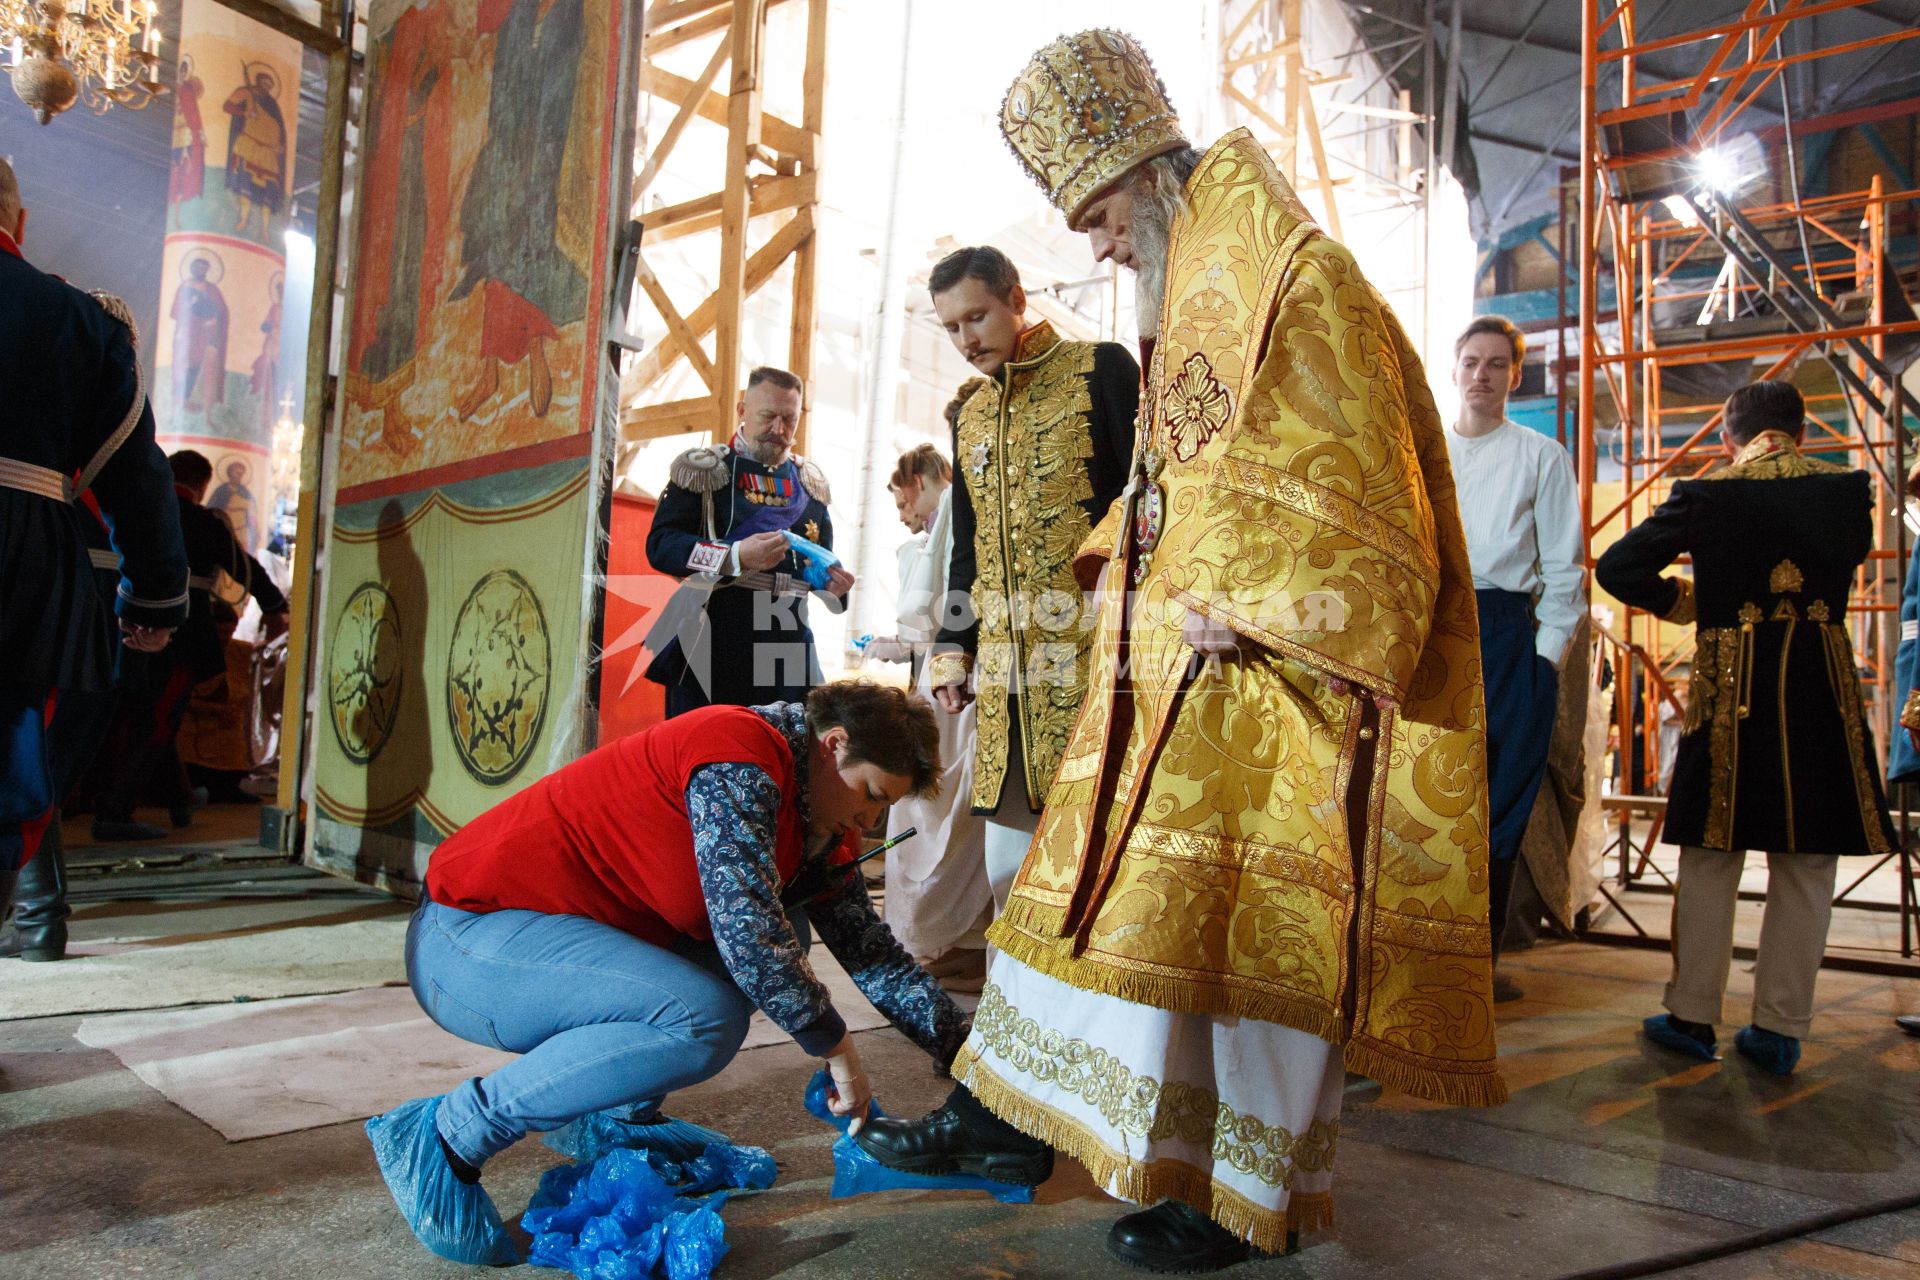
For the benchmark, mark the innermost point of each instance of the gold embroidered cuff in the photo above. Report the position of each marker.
(1910, 714)
(950, 667)
(1682, 612)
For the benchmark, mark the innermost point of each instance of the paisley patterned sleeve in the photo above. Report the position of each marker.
(734, 809)
(885, 973)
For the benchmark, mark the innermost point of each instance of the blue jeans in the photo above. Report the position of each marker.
(600, 1018)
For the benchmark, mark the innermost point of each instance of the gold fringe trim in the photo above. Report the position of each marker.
(1145, 1183)
(1451, 1084)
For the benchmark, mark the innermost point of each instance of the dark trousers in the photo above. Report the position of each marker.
(1522, 694)
(143, 738)
(26, 772)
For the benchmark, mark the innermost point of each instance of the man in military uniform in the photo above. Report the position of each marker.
(74, 428)
(1040, 452)
(153, 711)
(736, 633)
(1776, 753)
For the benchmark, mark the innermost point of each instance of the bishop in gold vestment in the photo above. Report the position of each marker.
(1263, 860)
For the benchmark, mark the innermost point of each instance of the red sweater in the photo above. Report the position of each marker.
(608, 838)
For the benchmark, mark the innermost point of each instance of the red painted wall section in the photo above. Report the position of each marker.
(628, 700)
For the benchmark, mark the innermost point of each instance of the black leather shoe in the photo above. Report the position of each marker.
(40, 905)
(1175, 1237)
(1909, 1023)
(960, 1137)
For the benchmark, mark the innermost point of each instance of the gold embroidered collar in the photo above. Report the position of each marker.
(1765, 445)
(1035, 343)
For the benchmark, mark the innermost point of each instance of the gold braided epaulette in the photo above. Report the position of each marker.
(814, 480)
(117, 307)
(701, 470)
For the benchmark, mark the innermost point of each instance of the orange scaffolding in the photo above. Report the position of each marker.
(1799, 280)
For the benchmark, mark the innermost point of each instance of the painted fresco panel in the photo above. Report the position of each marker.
(445, 683)
(451, 667)
(474, 325)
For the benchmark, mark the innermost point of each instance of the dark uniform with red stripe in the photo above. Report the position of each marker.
(74, 418)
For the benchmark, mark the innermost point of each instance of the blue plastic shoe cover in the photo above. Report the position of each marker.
(598, 1132)
(695, 1242)
(1661, 1031)
(455, 1219)
(856, 1173)
(1768, 1050)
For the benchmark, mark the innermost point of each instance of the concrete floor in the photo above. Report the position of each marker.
(1612, 1157)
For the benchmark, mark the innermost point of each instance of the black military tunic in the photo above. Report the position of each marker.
(71, 401)
(735, 638)
(1040, 452)
(1776, 753)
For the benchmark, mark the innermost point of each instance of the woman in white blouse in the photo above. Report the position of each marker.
(938, 900)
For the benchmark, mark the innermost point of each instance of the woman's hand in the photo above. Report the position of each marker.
(848, 1094)
(889, 649)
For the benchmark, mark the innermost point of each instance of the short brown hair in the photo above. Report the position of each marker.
(886, 727)
(1494, 324)
(984, 263)
(920, 463)
(778, 377)
(1765, 406)
(190, 468)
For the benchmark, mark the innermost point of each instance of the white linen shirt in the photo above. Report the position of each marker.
(1521, 511)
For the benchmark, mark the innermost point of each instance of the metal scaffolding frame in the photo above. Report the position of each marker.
(1801, 278)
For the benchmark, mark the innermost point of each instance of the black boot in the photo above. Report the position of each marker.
(40, 908)
(961, 1137)
(1175, 1236)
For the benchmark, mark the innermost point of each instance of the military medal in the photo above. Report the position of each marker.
(977, 460)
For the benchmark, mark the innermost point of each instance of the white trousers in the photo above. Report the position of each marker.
(1793, 936)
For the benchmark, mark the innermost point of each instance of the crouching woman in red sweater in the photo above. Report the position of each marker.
(618, 922)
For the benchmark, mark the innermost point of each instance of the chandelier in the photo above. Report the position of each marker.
(105, 52)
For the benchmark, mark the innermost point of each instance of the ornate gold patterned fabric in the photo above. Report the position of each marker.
(1194, 852)
(1773, 455)
(1086, 109)
(1025, 442)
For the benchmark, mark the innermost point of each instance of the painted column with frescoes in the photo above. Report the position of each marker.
(218, 381)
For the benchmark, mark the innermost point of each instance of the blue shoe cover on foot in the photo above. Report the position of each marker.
(856, 1173)
(598, 1132)
(1661, 1031)
(455, 1219)
(1768, 1050)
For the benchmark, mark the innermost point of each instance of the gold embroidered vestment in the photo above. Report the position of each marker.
(1194, 851)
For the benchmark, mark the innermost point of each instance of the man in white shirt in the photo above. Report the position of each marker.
(1522, 516)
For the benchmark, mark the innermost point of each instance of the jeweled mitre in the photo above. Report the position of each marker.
(1087, 108)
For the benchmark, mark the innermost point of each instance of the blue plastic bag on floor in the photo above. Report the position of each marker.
(634, 1212)
(856, 1173)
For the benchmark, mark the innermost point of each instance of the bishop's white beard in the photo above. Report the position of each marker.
(1151, 225)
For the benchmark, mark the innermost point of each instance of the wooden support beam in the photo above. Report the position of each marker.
(775, 132)
(1252, 59)
(1295, 90)
(1377, 113)
(1326, 183)
(681, 118)
(675, 418)
(676, 323)
(743, 135)
(760, 267)
(702, 213)
(688, 32)
(813, 114)
(663, 14)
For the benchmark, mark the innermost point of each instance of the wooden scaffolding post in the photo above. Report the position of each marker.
(771, 167)
(1274, 47)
